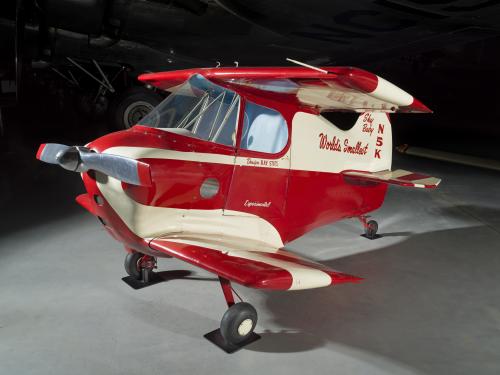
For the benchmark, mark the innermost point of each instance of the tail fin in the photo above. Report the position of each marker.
(373, 129)
(321, 145)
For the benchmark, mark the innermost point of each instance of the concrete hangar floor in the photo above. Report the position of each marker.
(429, 304)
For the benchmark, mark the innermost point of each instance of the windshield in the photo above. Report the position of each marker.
(198, 109)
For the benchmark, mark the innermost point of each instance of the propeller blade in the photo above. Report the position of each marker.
(124, 169)
(51, 152)
(82, 159)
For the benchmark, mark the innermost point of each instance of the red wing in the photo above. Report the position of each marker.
(398, 177)
(280, 270)
(341, 88)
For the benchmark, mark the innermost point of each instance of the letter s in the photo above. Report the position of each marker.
(380, 141)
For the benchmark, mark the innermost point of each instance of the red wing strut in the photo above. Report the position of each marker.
(397, 177)
(280, 270)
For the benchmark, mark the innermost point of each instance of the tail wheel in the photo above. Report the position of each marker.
(371, 229)
(238, 323)
(130, 107)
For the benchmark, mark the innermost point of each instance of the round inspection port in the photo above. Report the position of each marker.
(209, 188)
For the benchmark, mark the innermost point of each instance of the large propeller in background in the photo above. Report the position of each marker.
(82, 159)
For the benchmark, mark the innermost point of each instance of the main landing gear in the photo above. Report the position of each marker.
(237, 324)
(370, 226)
(140, 268)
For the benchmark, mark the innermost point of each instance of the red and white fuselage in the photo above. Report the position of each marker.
(246, 204)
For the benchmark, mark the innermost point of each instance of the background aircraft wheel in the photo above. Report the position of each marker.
(131, 106)
(238, 322)
(371, 229)
(132, 265)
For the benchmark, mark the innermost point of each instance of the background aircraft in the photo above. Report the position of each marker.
(449, 45)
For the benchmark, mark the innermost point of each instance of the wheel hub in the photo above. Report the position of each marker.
(147, 262)
(245, 327)
(135, 112)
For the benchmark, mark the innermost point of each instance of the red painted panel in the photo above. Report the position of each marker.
(317, 198)
(259, 191)
(176, 184)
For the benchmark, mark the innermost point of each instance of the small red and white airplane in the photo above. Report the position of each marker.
(237, 162)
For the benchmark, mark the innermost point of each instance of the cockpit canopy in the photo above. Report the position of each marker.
(204, 110)
(198, 109)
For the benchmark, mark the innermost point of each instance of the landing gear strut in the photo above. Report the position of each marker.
(140, 268)
(237, 325)
(371, 228)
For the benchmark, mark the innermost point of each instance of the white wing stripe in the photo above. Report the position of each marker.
(303, 277)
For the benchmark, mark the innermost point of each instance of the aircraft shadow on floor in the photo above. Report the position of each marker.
(424, 300)
(182, 274)
(488, 216)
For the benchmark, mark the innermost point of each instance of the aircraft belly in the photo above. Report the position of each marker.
(316, 199)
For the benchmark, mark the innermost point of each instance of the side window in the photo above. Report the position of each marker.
(264, 129)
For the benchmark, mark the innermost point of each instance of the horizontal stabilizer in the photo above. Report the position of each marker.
(398, 177)
(279, 270)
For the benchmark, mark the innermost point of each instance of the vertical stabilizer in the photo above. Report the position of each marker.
(374, 129)
(319, 145)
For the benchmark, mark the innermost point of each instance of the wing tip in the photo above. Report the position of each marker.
(344, 278)
(419, 107)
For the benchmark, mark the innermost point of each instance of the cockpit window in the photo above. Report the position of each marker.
(198, 109)
(264, 129)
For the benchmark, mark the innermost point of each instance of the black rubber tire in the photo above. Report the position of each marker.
(127, 100)
(233, 318)
(371, 229)
(132, 265)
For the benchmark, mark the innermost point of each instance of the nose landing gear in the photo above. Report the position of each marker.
(237, 324)
(140, 268)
